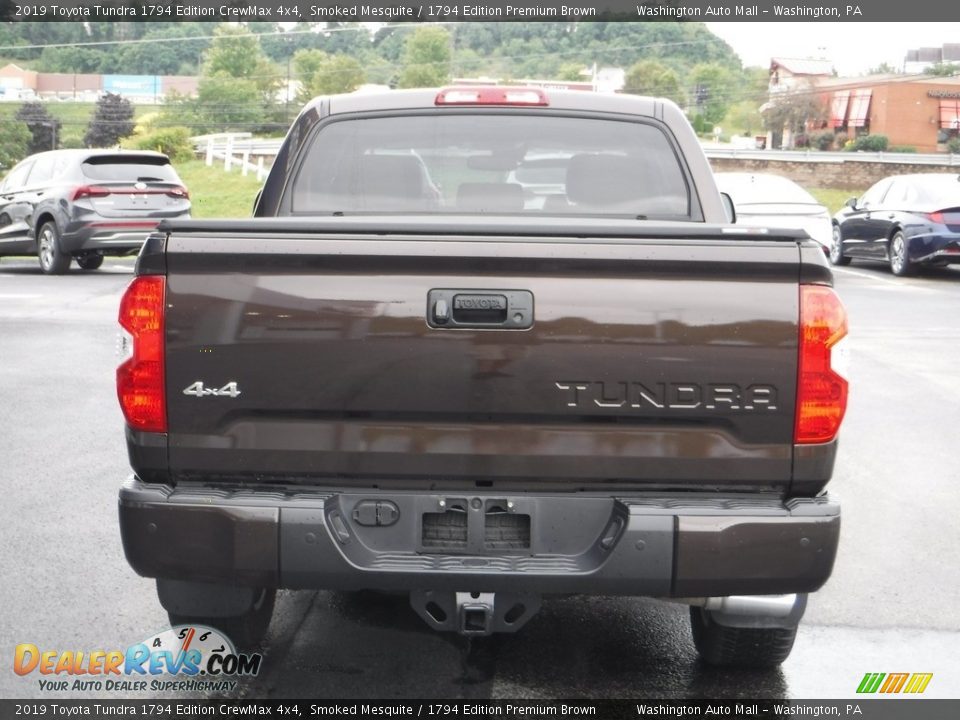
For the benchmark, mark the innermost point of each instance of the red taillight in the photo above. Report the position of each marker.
(140, 379)
(936, 217)
(821, 391)
(179, 192)
(491, 96)
(89, 191)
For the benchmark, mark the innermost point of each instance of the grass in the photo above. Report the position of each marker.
(833, 199)
(215, 193)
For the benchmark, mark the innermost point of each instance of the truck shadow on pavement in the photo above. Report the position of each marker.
(372, 645)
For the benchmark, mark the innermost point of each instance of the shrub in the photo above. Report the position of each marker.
(953, 145)
(868, 143)
(14, 141)
(902, 149)
(824, 140)
(172, 141)
(802, 140)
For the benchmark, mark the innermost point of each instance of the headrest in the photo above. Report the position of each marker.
(398, 176)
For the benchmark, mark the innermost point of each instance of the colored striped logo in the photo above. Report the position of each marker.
(894, 683)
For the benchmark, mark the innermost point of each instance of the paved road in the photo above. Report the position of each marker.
(889, 607)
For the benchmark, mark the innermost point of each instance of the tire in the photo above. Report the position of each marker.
(900, 264)
(246, 631)
(836, 248)
(53, 261)
(739, 647)
(90, 262)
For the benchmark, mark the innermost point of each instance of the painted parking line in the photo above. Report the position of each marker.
(878, 278)
(915, 286)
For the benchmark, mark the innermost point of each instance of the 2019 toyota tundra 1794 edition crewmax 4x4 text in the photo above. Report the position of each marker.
(482, 346)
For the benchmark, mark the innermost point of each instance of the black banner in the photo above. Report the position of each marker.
(393, 11)
(861, 708)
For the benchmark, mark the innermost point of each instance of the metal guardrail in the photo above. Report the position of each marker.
(834, 157)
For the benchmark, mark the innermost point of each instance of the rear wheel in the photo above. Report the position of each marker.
(737, 646)
(900, 264)
(836, 248)
(90, 262)
(53, 261)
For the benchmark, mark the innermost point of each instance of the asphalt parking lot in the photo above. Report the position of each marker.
(889, 607)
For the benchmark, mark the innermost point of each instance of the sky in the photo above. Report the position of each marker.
(854, 48)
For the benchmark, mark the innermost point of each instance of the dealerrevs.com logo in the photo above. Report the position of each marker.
(183, 658)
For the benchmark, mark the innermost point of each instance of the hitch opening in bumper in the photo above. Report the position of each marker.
(474, 613)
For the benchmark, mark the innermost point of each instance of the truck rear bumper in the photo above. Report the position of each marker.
(663, 545)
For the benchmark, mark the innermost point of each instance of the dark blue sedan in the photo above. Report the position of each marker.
(907, 221)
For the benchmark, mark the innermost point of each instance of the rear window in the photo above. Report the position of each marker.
(119, 168)
(763, 189)
(488, 163)
(943, 193)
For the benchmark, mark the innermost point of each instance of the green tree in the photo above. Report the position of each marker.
(70, 60)
(426, 58)
(306, 64)
(238, 87)
(181, 57)
(711, 87)
(112, 120)
(235, 52)
(44, 128)
(942, 70)
(322, 74)
(650, 77)
(229, 103)
(793, 111)
(883, 68)
(571, 72)
(744, 117)
(14, 144)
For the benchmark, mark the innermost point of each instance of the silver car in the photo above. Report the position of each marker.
(773, 201)
(81, 205)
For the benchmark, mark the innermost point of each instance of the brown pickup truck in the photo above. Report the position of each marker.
(485, 345)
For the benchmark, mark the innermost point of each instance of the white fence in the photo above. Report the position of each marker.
(241, 150)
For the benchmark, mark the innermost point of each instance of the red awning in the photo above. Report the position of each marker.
(950, 113)
(838, 108)
(860, 107)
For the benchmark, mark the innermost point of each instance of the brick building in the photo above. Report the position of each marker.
(19, 84)
(915, 111)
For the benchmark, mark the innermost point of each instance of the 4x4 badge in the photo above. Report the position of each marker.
(198, 390)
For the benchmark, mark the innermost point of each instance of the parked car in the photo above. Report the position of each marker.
(766, 200)
(907, 221)
(85, 204)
